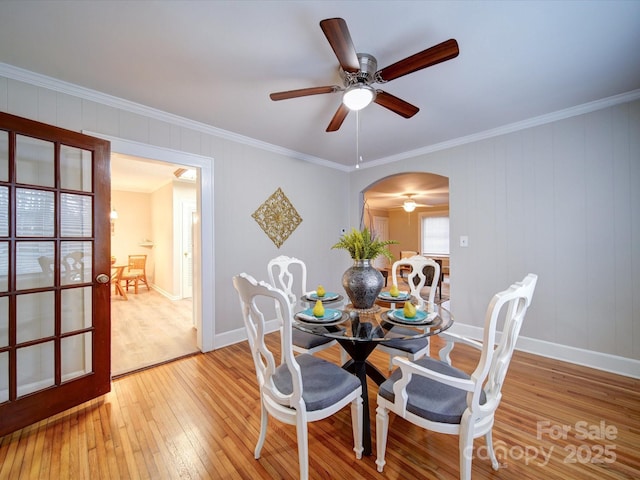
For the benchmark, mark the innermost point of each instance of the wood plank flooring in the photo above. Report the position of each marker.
(198, 418)
(148, 329)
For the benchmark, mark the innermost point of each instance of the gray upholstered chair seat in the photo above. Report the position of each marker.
(316, 388)
(324, 383)
(429, 399)
(424, 395)
(411, 346)
(308, 340)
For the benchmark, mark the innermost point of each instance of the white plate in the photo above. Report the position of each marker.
(329, 316)
(420, 316)
(327, 296)
(400, 298)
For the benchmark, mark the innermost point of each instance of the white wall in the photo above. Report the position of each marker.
(244, 177)
(561, 200)
(162, 218)
(132, 226)
(242, 184)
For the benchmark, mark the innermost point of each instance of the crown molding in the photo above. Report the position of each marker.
(510, 128)
(61, 86)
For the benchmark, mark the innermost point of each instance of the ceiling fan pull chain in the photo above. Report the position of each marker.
(358, 158)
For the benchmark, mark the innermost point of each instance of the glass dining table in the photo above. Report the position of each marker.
(359, 332)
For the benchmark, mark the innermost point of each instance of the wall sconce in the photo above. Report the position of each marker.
(113, 216)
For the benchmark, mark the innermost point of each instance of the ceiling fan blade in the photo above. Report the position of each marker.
(336, 31)
(338, 118)
(426, 58)
(395, 104)
(303, 92)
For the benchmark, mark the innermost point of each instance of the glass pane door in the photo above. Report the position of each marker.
(52, 345)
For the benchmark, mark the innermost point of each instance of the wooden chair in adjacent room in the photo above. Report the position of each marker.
(136, 272)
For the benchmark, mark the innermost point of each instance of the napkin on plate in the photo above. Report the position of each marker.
(327, 296)
(331, 315)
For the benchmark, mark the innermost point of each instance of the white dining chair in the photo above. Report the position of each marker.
(290, 275)
(436, 396)
(417, 266)
(299, 389)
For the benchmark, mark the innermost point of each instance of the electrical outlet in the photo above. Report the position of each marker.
(464, 241)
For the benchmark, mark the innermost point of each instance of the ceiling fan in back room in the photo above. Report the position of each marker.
(359, 72)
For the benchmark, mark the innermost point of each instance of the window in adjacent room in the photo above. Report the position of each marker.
(435, 236)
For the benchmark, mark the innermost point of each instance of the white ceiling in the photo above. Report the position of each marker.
(216, 62)
(426, 189)
(135, 174)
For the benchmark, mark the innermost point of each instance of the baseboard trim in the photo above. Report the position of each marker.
(164, 293)
(240, 335)
(587, 358)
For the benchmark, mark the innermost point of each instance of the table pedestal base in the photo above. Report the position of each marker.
(361, 368)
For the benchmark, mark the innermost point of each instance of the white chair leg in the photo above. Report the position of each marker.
(303, 446)
(343, 356)
(492, 454)
(264, 420)
(382, 428)
(356, 424)
(465, 444)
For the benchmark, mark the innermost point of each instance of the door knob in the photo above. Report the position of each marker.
(102, 278)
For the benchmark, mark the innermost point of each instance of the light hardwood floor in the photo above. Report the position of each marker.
(148, 329)
(198, 418)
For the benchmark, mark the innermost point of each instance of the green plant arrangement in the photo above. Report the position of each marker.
(362, 246)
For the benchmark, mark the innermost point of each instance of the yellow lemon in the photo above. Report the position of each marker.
(318, 310)
(409, 310)
(320, 291)
(394, 292)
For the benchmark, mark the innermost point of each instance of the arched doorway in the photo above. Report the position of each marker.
(383, 204)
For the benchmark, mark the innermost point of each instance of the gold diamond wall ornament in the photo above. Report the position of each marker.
(277, 217)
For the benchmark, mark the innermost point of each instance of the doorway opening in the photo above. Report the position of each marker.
(203, 239)
(153, 205)
(384, 205)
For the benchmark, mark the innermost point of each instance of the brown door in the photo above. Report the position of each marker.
(54, 254)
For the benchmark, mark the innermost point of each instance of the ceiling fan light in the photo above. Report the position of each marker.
(358, 96)
(409, 205)
(188, 174)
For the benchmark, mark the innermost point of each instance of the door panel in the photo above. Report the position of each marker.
(381, 231)
(54, 241)
(189, 212)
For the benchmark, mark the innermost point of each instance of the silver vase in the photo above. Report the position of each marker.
(363, 284)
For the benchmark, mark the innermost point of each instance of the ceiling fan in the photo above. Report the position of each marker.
(359, 72)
